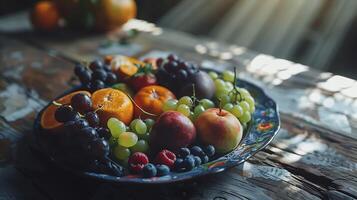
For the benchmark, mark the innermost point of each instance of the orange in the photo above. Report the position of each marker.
(151, 99)
(45, 16)
(111, 14)
(125, 66)
(48, 120)
(113, 103)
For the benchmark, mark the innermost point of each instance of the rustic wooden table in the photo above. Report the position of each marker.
(313, 156)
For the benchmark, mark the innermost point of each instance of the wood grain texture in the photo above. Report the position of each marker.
(305, 161)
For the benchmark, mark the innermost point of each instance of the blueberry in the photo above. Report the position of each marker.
(209, 150)
(178, 165)
(198, 161)
(189, 163)
(204, 159)
(162, 170)
(197, 151)
(183, 152)
(149, 171)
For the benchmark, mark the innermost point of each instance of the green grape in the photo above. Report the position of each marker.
(221, 92)
(219, 83)
(243, 92)
(228, 76)
(251, 102)
(185, 100)
(124, 163)
(127, 139)
(192, 116)
(245, 125)
(140, 146)
(213, 75)
(133, 123)
(229, 85)
(237, 111)
(246, 117)
(198, 110)
(121, 153)
(224, 99)
(116, 127)
(170, 104)
(140, 127)
(124, 88)
(184, 109)
(113, 141)
(228, 107)
(206, 103)
(245, 106)
(145, 137)
(149, 123)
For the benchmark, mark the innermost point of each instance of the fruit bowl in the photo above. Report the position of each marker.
(259, 133)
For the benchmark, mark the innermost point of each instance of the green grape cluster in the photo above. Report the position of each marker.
(127, 140)
(188, 106)
(237, 101)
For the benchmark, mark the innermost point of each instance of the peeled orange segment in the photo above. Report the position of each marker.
(48, 120)
(112, 103)
(124, 66)
(151, 99)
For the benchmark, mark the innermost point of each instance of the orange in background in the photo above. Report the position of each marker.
(45, 16)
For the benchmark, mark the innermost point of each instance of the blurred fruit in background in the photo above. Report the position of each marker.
(45, 16)
(100, 15)
(113, 13)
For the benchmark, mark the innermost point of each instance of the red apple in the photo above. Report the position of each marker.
(172, 130)
(220, 129)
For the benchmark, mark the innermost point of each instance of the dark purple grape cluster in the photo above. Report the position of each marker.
(173, 72)
(96, 76)
(84, 137)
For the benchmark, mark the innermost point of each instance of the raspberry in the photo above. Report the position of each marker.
(165, 157)
(137, 161)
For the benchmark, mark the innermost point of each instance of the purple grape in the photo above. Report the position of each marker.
(80, 123)
(96, 85)
(81, 103)
(95, 65)
(182, 75)
(103, 132)
(99, 148)
(92, 119)
(172, 57)
(87, 134)
(111, 78)
(65, 113)
(159, 62)
(84, 76)
(78, 69)
(99, 74)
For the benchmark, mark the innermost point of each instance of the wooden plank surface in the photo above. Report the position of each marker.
(307, 160)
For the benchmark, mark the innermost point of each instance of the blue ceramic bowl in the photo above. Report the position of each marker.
(261, 130)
